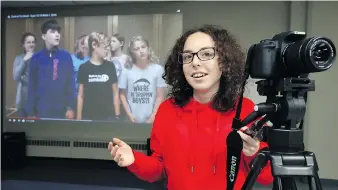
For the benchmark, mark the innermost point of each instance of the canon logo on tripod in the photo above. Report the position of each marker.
(233, 168)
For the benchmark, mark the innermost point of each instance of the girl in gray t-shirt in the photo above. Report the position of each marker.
(141, 83)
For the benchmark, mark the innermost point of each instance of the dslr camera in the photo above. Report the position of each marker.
(290, 54)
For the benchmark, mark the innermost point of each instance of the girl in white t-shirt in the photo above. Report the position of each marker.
(141, 83)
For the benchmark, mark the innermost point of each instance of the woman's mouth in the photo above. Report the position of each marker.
(198, 75)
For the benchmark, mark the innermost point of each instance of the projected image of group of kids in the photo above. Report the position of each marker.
(95, 82)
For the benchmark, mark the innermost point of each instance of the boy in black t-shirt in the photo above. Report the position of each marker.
(97, 83)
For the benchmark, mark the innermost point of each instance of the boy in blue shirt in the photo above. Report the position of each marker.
(51, 85)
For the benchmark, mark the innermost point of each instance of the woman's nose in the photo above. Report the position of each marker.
(195, 61)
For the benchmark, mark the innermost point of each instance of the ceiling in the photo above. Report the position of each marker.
(16, 4)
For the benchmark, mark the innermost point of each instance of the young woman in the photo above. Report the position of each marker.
(141, 83)
(98, 83)
(188, 139)
(21, 71)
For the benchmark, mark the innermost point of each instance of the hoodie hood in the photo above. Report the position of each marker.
(201, 114)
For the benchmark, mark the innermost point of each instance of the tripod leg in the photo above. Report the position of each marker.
(314, 182)
(277, 183)
(311, 182)
(289, 183)
(318, 183)
(258, 163)
(284, 184)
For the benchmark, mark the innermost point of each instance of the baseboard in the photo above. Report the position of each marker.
(71, 163)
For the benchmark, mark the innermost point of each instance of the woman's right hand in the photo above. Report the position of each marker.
(28, 55)
(132, 118)
(121, 152)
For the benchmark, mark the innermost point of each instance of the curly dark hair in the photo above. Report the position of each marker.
(232, 61)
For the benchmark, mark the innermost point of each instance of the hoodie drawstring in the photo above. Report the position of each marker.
(192, 140)
(215, 143)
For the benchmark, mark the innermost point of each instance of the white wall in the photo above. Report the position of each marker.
(322, 114)
(250, 22)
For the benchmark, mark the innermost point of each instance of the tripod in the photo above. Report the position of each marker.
(285, 108)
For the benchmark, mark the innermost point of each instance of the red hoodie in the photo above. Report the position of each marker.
(189, 147)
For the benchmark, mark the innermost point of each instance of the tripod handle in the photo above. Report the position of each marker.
(266, 108)
(256, 130)
(252, 117)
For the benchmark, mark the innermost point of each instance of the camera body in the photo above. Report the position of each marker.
(290, 54)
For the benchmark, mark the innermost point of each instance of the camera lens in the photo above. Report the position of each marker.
(314, 54)
(321, 53)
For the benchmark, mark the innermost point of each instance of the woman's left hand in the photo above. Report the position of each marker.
(250, 145)
(151, 119)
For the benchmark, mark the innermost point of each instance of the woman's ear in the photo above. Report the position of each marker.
(43, 36)
(221, 67)
(224, 69)
(94, 44)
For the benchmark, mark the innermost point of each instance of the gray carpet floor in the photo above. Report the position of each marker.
(38, 185)
(54, 174)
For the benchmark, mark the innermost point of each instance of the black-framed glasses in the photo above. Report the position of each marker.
(203, 54)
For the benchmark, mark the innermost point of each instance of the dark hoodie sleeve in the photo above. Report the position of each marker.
(151, 168)
(265, 177)
(71, 88)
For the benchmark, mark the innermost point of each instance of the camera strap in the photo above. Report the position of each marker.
(235, 144)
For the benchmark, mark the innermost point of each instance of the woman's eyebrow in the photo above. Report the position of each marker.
(189, 51)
